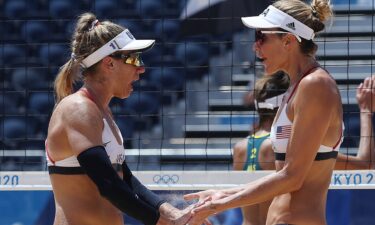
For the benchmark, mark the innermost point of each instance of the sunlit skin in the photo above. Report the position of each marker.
(317, 120)
(76, 125)
(365, 158)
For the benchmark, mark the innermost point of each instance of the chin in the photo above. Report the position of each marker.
(123, 95)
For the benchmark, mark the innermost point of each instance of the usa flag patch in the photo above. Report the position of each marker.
(283, 132)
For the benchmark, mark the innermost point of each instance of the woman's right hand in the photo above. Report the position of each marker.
(366, 95)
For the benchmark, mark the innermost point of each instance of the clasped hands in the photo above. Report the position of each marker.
(195, 214)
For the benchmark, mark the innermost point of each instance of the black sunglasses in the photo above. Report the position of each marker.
(260, 35)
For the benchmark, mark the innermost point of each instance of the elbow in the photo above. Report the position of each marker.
(293, 180)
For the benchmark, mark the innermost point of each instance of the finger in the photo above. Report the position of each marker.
(201, 207)
(367, 82)
(208, 198)
(207, 222)
(360, 86)
(203, 201)
(191, 196)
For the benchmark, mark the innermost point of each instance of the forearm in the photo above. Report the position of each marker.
(365, 156)
(258, 191)
(366, 144)
(138, 188)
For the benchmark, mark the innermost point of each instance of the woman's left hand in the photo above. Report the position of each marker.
(366, 95)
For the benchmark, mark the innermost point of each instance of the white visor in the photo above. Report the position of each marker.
(270, 103)
(125, 41)
(275, 18)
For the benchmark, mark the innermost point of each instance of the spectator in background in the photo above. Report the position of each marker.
(255, 152)
(365, 158)
(91, 181)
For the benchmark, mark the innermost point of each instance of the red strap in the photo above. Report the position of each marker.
(305, 74)
(338, 142)
(45, 144)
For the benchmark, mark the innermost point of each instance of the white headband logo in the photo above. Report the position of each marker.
(291, 25)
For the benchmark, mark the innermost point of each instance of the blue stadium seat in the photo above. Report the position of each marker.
(192, 54)
(40, 103)
(150, 8)
(54, 54)
(129, 5)
(15, 9)
(1, 58)
(60, 9)
(153, 56)
(143, 103)
(30, 79)
(16, 129)
(167, 30)
(352, 129)
(10, 103)
(168, 79)
(32, 144)
(170, 82)
(135, 26)
(126, 126)
(14, 55)
(35, 31)
(11, 31)
(105, 8)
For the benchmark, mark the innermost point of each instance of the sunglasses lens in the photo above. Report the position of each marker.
(135, 60)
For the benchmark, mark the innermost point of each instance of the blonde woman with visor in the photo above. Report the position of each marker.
(255, 152)
(91, 181)
(308, 128)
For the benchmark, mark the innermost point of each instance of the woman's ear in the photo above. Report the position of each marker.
(108, 62)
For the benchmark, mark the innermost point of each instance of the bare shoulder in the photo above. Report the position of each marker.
(76, 124)
(318, 80)
(241, 146)
(76, 109)
(319, 86)
(266, 150)
(266, 155)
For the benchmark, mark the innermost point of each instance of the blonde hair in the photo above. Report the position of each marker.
(313, 16)
(89, 35)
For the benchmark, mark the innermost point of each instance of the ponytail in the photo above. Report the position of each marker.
(67, 76)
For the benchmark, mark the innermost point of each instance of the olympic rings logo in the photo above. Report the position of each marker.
(166, 179)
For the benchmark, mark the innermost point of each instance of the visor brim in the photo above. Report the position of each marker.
(139, 45)
(258, 22)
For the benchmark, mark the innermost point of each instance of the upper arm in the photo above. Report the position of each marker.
(312, 110)
(239, 154)
(266, 155)
(83, 126)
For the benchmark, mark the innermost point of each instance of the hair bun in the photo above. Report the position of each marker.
(321, 9)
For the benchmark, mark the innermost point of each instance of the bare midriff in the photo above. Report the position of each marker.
(307, 205)
(78, 202)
